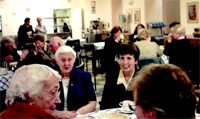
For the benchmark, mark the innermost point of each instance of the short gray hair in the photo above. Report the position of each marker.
(58, 40)
(6, 40)
(143, 34)
(179, 29)
(29, 79)
(64, 49)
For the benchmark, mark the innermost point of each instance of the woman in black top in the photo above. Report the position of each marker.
(118, 80)
(133, 37)
(111, 47)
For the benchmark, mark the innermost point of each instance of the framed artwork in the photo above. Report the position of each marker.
(192, 12)
(128, 15)
(137, 15)
(93, 7)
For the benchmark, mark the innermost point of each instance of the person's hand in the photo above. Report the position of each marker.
(118, 38)
(40, 51)
(170, 37)
(52, 60)
(24, 54)
(64, 114)
(38, 29)
(9, 58)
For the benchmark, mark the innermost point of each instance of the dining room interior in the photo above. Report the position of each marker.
(90, 22)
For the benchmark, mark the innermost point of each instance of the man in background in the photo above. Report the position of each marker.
(25, 33)
(65, 26)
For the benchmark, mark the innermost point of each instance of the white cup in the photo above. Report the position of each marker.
(125, 105)
(29, 33)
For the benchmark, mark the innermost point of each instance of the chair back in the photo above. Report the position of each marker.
(89, 47)
(75, 44)
(145, 61)
(81, 66)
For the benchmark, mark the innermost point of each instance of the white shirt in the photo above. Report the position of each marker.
(65, 83)
(121, 79)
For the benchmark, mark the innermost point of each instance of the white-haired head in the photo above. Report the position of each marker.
(55, 43)
(29, 80)
(6, 40)
(57, 40)
(179, 29)
(64, 49)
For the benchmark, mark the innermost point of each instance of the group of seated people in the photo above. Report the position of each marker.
(46, 85)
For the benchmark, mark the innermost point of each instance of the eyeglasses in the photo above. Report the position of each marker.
(53, 94)
(56, 93)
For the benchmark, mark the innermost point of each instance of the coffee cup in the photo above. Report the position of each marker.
(125, 105)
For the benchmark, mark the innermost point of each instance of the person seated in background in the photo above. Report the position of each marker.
(54, 44)
(170, 34)
(117, 81)
(65, 26)
(147, 48)
(134, 37)
(112, 44)
(33, 93)
(163, 91)
(30, 56)
(39, 41)
(179, 49)
(8, 51)
(76, 87)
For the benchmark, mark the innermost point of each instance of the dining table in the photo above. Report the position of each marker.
(97, 113)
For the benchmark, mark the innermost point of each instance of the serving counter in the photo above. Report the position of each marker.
(61, 35)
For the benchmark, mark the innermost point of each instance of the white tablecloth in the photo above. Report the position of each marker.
(82, 41)
(99, 45)
(114, 110)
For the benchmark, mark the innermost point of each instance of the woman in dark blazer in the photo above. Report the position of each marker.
(76, 87)
(117, 81)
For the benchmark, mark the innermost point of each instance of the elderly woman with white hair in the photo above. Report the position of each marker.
(77, 91)
(33, 93)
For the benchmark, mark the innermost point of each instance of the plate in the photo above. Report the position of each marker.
(112, 116)
(126, 112)
(3, 73)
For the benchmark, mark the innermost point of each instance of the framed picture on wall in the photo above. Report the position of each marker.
(137, 15)
(128, 15)
(192, 12)
(93, 7)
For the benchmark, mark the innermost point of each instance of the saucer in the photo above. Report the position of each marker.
(3, 73)
(126, 112)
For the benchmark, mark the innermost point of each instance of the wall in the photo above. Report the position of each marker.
(103, 11)
(189, 26)
(136, 4)
(116, 10)
(171, 12)
(14, 13)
